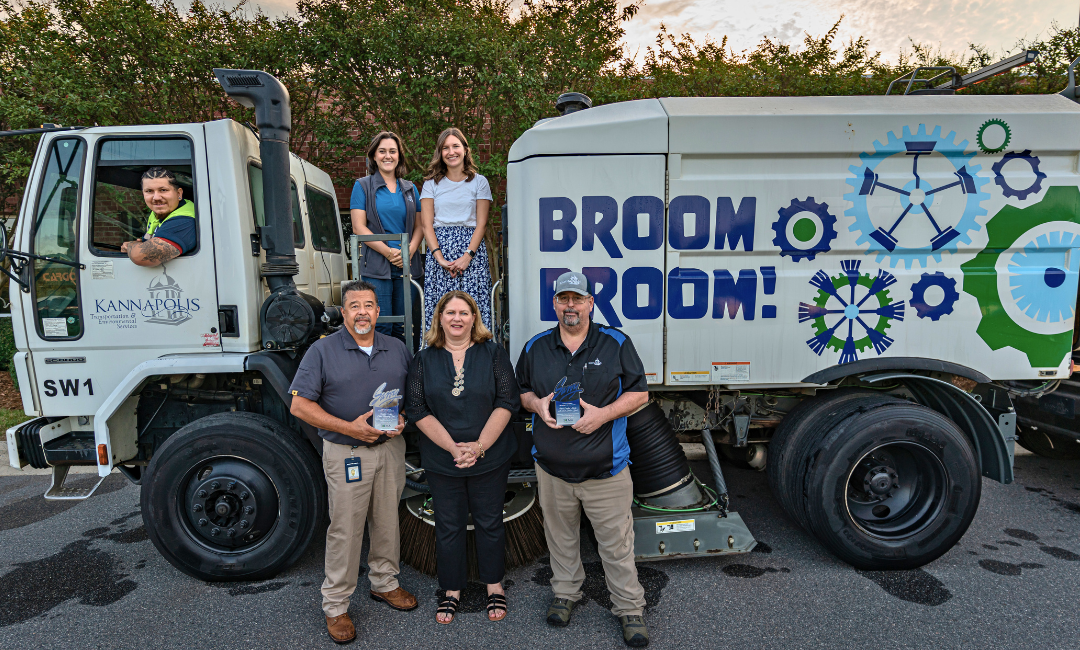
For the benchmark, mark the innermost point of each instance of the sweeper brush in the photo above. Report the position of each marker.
(521, 515)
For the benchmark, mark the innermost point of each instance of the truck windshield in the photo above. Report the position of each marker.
(56, 218)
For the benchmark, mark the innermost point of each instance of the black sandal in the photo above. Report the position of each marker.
(447, 605)
(496, 602)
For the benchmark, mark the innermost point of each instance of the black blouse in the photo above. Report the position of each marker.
(489, 384)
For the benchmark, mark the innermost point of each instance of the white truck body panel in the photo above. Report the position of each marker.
(763, 195)
(609, 267)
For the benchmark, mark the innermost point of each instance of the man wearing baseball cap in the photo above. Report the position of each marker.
(581, 380)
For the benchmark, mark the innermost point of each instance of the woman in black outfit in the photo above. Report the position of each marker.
(461, 392)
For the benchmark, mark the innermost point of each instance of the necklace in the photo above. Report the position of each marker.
(459, 376)
(459, 382)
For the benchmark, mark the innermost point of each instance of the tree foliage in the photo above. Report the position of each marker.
(355, 67)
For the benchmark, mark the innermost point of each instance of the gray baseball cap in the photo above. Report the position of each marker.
(572, 281)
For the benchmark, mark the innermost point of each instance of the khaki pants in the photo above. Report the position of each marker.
(607, 505)
(373, 499)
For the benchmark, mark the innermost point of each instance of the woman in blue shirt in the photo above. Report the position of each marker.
(386, 203)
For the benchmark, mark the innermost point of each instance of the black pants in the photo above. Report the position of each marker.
(454, 498)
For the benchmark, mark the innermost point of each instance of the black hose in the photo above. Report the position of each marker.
(714, 462)
(657, 461)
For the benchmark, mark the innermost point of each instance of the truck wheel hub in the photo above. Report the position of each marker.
(880, 481)
(230, 503)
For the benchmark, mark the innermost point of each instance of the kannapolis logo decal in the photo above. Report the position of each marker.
(165, 306)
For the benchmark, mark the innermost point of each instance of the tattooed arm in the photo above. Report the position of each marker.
(152, 252)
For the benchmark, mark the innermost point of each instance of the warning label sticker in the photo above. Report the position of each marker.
(727, 372)
(691, 376)
(684, 526)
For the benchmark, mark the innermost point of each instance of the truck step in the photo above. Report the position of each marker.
(75, 448)
(58, 491)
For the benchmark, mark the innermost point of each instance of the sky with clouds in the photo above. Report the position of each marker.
(888, 24)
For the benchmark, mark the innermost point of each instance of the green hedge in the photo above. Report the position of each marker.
(7, 348)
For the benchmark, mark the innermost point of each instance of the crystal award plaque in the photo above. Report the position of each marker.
(567, 406)
(385, 405)
(567, 413)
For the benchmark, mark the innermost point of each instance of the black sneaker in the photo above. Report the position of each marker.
(634, 632)
(559, 612)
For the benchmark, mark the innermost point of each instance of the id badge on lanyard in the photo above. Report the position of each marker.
(352, 469)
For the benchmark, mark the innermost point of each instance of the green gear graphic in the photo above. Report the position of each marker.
(996, 328)
(982, 129)
(841, 282)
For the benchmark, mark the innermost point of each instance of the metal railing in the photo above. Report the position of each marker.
(406, 276)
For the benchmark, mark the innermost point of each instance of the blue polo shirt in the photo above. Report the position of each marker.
(342, 378)
(389, 205)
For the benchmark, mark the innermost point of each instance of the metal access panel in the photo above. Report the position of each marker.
(662, 536)
(599, 215)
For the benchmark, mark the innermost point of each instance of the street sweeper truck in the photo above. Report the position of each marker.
(844, 292)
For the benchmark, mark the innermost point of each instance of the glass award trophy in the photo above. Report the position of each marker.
(385, 408)
(567, 406)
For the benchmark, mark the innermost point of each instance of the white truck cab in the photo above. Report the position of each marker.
(72, 323)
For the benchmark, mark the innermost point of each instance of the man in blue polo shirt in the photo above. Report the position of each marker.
(581, 380)
(171, 229)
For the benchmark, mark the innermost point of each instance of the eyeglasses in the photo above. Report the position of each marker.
(577, 300)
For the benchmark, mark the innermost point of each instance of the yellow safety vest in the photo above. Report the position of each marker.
(185, 209)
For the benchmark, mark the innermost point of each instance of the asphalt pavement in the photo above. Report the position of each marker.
(84, 575)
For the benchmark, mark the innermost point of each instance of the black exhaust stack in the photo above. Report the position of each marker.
(289, 319)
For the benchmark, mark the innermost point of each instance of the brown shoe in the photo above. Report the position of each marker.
(341, 628)
(398, 599)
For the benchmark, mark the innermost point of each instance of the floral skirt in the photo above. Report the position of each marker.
(476, 281)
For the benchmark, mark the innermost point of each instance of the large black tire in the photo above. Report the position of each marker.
(233, 496)
(1048, 445)
(786, 461)
(890, 485)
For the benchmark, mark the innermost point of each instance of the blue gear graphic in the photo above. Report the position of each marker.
(828, 232)
(916, 143)
(1040, 282)
(851, 311)
(918, 295)
(1006, 189)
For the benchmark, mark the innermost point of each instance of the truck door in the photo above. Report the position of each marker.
(84, 321)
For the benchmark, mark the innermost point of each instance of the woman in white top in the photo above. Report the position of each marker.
(454, 206)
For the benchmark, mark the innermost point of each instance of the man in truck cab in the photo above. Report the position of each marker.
(582, 379)
(171, 229)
